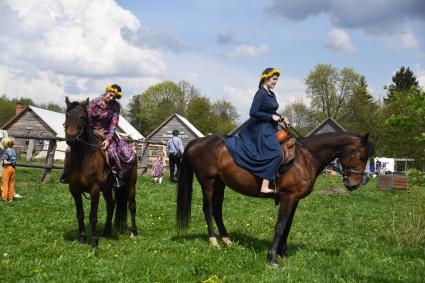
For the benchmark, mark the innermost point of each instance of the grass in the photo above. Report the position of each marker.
(333, 238)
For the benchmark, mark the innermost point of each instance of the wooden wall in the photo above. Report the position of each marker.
(28, 124)
(165, 132)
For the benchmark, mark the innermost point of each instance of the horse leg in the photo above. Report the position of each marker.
(80, 216)
(107, 195)
(285, 209)
(282, 249)
(218, 197)
(94, 196)
(132, 208)
(207, 192)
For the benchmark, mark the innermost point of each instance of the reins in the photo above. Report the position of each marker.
(343, 172)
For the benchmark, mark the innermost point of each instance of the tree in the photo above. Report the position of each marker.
(299, 116)
(404, 125)
(226, 114)
(362, 112)
(330, 89)
(147, 110)
(8, 107)
(403, 81)
(200, 114)
(53, 107)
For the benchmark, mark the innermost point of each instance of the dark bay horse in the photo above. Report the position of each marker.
(214, 168)
(87, 166)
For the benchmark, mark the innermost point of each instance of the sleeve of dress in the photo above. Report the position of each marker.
(255, 111)
(114, 124)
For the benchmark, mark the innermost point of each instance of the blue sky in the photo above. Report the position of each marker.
(49, 49)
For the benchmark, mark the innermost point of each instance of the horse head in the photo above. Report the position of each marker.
(353, 159)
(75, 119)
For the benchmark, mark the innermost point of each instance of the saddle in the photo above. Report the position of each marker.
(288, 146)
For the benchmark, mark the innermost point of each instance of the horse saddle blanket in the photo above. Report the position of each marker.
(288, 147)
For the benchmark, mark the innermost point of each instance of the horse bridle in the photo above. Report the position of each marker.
(78, 136)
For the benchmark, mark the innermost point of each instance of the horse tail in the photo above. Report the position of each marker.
(184, 191)
(121, 199)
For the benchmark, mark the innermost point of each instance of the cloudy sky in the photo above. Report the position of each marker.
(53, 48)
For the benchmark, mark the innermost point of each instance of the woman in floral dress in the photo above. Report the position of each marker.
(103, 115)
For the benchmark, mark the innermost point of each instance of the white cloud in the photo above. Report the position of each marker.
(245, 50)
(74, 38)
(408, 40)
(52, 49)
(240, 97)
(339, 41)
(400, 40)
(420, 75)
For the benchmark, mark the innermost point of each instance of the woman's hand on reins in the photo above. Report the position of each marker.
(284, 120)
(105, 145)
(276, 118)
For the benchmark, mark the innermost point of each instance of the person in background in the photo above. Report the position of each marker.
(175, 153)
(8, 175)
(158, 168)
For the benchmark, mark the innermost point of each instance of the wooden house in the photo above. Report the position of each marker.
(157, 139)
(187, 131)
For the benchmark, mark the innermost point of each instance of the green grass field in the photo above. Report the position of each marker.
(365, 237)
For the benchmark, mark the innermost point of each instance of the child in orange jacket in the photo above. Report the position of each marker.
(8, 175)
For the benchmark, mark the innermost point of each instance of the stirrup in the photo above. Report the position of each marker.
(118, 182)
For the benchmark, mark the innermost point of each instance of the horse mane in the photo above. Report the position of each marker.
(317, 138)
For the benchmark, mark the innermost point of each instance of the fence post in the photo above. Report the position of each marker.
(49, 161)
(30, 150)
(145, 155)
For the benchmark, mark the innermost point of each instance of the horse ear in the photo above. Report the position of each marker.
(85, 103)
(365, 139)
(67, 101)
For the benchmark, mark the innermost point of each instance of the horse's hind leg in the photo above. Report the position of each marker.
(94, 196)
(132, 208)
(80, 216)
(107, 195)
(282, 249)
(218, 197)
(207, 191)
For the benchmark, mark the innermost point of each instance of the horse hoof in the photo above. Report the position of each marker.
(133, 236)
(82, 239)
(226, 241)
(274, 265)
(214, 243)
(94, 243)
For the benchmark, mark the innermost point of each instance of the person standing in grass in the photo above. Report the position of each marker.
(158, 168)
(8, 175)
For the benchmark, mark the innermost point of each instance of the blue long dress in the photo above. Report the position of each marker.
(256, 147)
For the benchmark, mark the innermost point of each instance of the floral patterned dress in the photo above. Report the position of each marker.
(158, 168)
(105, 119)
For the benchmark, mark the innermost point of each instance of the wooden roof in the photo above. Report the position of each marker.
(329, 125)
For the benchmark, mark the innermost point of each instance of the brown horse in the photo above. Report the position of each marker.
(86, 169)
(214, 167)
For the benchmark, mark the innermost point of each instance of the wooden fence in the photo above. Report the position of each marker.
(142, 149)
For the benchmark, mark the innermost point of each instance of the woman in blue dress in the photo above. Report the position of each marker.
(256, 147)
